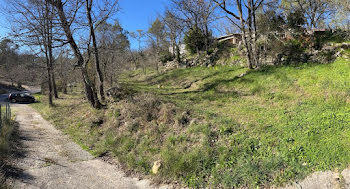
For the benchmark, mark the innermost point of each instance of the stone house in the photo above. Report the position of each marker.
(182, 48)
(235, 38)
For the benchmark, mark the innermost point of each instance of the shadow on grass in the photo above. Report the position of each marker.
(8, 166)
(181, 73)
(213, 85)
(217, 87)
(211, 91)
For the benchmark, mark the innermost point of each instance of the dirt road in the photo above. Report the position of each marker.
(51, 160)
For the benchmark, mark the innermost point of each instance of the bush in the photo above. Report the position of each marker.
(323, 57)
(144, 106)
(166, 56)
(195, 40)
(119, 92)
(339, 36)
(293, 52)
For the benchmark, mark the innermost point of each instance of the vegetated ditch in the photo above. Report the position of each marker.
(202, 148)
(139, 130)
(8, 152)
(152, 137)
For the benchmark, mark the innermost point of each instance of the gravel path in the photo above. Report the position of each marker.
(52, 160)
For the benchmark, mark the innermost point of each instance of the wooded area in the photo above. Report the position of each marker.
(84, 35)
(213, 94)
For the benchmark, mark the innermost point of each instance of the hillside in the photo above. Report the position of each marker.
(223, 126)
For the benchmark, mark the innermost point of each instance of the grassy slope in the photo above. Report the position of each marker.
(267, 127)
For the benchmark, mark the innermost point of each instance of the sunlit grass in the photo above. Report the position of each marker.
(265, 127)
(274, 125)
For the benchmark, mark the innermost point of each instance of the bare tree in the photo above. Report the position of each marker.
(114, 47)
(341, 18)
(96, 12)
(94, 44)
(242, 13)
(90, 88)
(139, 35)
(316, 11)
(35, 26)
(196, 14)
(108, 8)
(157, 39)
(174, 30)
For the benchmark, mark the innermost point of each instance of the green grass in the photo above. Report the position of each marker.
(256, 128)
(74, 117)
(6, 130)
(272, 125)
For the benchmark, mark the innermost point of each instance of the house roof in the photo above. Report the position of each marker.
(229, 36)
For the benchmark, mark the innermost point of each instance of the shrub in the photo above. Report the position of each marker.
(144, 106)
(120, 92)
(294, 52)
(195, 40)
(166, 56)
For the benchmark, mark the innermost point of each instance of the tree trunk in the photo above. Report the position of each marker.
(49, 42)
(244, 37)
(178, 57)
(206, 41)
(94, 43)
(111, 81)
(54, 86)
(256, 48)
(89, 87)
(252, 35)
(65, 87)
(48, 50)
(49, 77)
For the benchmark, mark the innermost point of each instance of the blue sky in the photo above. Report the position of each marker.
(134, 15)
(138, 14)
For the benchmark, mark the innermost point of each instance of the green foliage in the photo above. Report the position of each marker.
(195, 40)
(158, 35)
(6, 132)
(157, 28)
(166, 56)
(337, 36)
(294, 52)
(112, 36)
(295, 20)
(269, 127)
(270, 21)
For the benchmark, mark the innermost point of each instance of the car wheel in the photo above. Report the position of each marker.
(13, 100)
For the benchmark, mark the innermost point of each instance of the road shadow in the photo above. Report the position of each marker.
(9, 171)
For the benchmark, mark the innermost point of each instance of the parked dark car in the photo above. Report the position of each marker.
(21, 97)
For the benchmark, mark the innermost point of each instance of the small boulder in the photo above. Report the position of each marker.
(156, 166)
